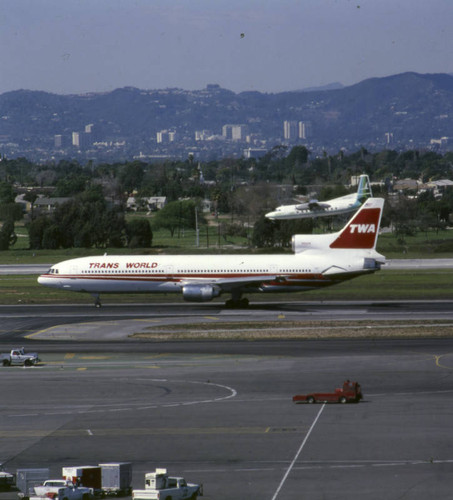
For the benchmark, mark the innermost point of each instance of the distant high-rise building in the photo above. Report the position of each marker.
(304, 130)
(239, 132)
(58, 141)
(77, 139)
(227, 131)
(290, 130)
(82, 140)
(234, 132)
(165, 136)
(293, 130)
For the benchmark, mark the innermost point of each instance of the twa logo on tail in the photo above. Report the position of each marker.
(362, 230)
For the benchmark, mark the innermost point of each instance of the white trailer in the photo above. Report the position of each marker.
(84, 475)
(117, 478)
(27, 479)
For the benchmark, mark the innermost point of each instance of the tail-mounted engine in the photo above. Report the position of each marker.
(300, 243)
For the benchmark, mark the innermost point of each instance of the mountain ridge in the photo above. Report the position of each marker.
(410, 107)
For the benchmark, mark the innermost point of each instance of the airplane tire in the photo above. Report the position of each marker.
(237, 304)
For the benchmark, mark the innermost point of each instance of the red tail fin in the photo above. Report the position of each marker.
(362, 230)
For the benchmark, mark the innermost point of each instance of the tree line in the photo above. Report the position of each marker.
(245, 189)
(86, 221)
(181, 179)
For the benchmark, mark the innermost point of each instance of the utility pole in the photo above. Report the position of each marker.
(197, 232)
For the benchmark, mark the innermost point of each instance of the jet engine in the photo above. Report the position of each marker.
(200, 293)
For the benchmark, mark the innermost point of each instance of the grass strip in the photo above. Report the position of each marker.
(299, 330)
(426, 284)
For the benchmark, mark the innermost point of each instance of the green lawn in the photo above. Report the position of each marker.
(431, 245)
(421, 246)
(185, 242)
(383, 285)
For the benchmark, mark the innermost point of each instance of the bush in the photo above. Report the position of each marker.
(139, 233)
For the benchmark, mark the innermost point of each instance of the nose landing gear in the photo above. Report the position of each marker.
(97, 300)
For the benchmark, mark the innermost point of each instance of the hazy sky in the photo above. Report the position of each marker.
(72, 46)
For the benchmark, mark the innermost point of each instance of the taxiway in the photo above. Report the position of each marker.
(221, 413)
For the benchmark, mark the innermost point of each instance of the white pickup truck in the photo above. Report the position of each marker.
(18, 356)
(60, 489)
(160, 486)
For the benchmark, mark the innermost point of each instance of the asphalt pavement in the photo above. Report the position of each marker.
(221, 413)
(228, 420)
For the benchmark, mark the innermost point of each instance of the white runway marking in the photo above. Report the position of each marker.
(324, 466)
(119, 407)
(280, 486)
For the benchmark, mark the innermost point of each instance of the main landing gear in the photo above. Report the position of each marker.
(236, 302)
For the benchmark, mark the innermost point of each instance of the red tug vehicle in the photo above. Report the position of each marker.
(349, 393)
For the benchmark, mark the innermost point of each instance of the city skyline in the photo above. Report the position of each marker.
(272, 46)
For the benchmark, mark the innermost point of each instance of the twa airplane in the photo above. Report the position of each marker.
(318, 261)
(337, 206)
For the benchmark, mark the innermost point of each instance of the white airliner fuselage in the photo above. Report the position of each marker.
(314, 208)
(318, 261)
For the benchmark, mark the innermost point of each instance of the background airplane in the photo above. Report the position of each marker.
(314, 208)
(319, 260)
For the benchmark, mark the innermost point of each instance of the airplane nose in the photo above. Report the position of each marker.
(44, 280)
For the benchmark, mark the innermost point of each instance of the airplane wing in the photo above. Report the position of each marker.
(227, 284)
(313, 205)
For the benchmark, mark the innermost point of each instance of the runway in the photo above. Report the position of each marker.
(118, 322)
(221, 413)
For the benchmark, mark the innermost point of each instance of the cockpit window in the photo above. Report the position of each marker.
(53, 270)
